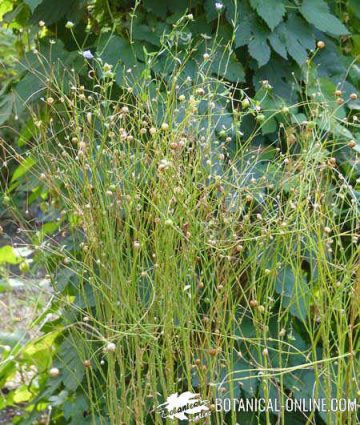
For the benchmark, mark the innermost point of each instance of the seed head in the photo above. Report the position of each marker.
(282, 332)
(54, 372)
(110, 347)
(320, 45)
(253, 303)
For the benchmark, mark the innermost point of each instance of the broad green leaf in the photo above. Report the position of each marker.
(271, 11)
(59, 399)
(33, 4)
(8, 255)
(354, 6)
(52, 11)
(277, 72)
(12, 339)
(6, 107)
(71, 365)
(5, 6)
(277, 41)
(295, 292)
(157, 7)
(294, 37)
(229, 68)
(259, 48)
(47, 229)
(22, 394)
(75, 408)
(115, 49)
(23, 168)
(247, 22)
(317, 12)
(145, 33)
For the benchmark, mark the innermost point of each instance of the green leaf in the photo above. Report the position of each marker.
(23, 168)
(230, 69)
(317, 13)
(158, 7)
(354, 7)
(277, 41)
(71, 365)
(145, 33)
(294, 37)
(8, 255)
(12, 339)
(47, 229)
(6, 106)
(52, 11)
(271, 11)
(259, 49)
(247, 23)
(115, 49)
(33, 4)
(295, 292)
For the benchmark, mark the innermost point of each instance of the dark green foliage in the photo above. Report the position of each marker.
(264, 31)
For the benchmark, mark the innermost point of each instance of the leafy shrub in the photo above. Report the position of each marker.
(202, 207)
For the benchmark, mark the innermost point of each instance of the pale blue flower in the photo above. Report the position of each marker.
(88, 55)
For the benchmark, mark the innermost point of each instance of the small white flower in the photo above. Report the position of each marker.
(69, 25)
(218, 6)
(88, 55)
(110, 347)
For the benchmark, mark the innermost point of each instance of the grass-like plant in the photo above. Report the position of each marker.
(200, 259)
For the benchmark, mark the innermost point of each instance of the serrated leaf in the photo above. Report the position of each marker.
(260, 50)
(294, 37)
(277, 41)
(271, 11)
(247, 22)
(72, 368)
(317, 13)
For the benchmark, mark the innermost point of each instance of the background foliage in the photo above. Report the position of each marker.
(267, 48)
